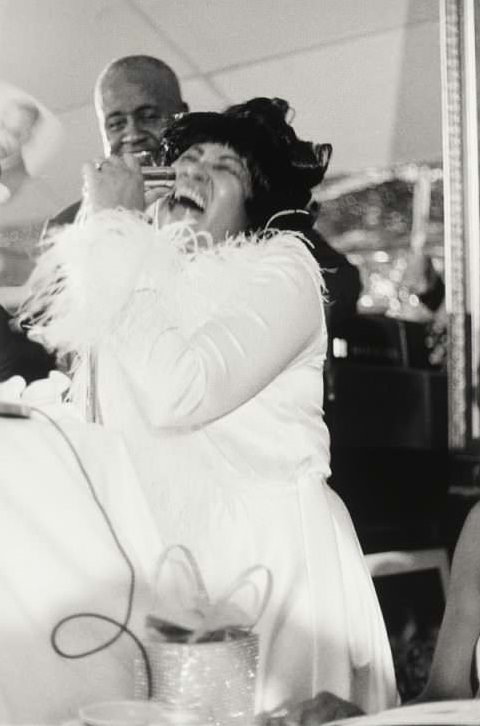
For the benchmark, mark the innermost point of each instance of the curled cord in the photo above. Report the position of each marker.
(123, 625)
(285, 213)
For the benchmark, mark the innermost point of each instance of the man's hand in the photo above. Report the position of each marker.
(113, 182)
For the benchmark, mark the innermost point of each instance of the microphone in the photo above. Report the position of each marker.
(155, 175)
(158, 176)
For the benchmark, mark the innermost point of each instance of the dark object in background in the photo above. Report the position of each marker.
(387, 412)
(383, 406)
(19, 356)
(383, 341)
(412, 605)
(389, 451)
(434, 296)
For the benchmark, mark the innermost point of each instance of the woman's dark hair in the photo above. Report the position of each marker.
(283, 168)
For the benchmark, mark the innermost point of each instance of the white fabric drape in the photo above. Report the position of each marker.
(57, 558)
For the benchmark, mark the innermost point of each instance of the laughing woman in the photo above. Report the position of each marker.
(207, 331)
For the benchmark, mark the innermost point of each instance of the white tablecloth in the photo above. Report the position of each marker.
(57, 557)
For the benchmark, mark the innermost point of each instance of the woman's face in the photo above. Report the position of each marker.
(211, 188)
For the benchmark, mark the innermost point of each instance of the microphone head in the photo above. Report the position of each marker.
(155, 176)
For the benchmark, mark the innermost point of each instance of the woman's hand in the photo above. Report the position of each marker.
(113, 182)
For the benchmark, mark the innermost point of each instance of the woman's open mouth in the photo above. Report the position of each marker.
(187, 199)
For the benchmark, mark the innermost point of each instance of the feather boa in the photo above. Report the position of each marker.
(115, 273)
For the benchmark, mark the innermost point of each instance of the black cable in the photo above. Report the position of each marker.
(123, 625)
(122, 629)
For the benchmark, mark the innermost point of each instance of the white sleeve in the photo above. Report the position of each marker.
(238, 352)
(85, 277)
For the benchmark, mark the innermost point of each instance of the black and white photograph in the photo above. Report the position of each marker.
(239, 362)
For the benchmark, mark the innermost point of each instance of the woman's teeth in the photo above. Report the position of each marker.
(189, 198)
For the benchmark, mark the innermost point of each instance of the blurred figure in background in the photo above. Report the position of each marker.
(29, 136)
(424, 280)
(17, 122)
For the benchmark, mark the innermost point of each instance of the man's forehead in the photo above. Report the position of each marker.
(122, 91)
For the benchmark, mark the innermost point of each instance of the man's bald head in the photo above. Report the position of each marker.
(135, 97)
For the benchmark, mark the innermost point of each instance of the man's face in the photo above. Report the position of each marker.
(135, 111)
